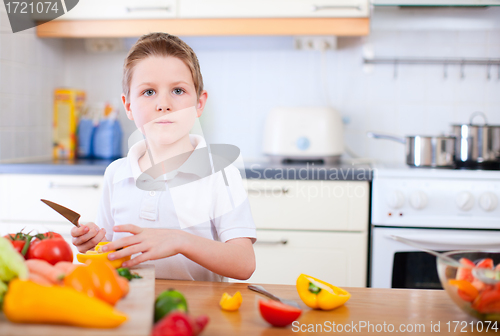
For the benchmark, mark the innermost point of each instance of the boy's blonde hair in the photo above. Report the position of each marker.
(161, 44)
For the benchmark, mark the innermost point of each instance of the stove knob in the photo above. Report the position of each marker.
(396, 199)
(488, 201)
(465, 200)
(418, 200)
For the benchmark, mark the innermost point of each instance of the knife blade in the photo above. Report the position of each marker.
(263, 291)
(70, 215)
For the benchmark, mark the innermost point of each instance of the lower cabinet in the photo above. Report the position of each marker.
(336, 257)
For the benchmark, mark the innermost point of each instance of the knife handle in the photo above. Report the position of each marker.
(261, 290)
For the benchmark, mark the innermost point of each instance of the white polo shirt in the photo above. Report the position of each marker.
(207, 206)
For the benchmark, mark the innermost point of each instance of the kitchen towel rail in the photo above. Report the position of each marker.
(462, 62)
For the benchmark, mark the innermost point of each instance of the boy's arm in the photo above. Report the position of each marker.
(233, 259)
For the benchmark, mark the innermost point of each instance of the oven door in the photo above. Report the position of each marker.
(396, 265)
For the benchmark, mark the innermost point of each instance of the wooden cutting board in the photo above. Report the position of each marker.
(138, 305)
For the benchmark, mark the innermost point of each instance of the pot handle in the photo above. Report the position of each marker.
(387, 137)
(475, 114)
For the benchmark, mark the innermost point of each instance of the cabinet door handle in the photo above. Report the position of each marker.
(316, 8)
(53, 185)
(283, 241)
(139, 9)
(283, 190)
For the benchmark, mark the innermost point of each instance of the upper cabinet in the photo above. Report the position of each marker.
(122, 9)
(132, 18)
(273, 8)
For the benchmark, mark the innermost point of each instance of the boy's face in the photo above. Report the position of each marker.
(162, 100)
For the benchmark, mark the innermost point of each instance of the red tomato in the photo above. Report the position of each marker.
(465, 273)
(51, 250)
(277, 313)
(17, 240)
(50, 234)
(485, 263)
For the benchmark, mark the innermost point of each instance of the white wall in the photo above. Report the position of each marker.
(30, 69)
(247, 76)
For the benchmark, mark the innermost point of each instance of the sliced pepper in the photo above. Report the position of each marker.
(97, 254)
(80, 279)
(105, 280)
(231, 303)
(466, 290)
(488, 302)
(29, 302)
(318, 294)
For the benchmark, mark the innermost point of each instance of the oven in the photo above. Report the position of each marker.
(440, 209)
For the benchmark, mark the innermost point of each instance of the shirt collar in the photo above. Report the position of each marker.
(190, 166)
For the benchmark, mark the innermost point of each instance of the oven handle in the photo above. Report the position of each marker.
(455, 241)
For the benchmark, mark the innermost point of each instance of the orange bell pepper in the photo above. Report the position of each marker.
(466, 290)
(105, 279)
(231, 303)
(81, 280)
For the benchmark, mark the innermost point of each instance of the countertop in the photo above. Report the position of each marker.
(399, 307)
(252, 169)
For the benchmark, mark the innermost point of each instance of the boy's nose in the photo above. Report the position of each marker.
(163, 108)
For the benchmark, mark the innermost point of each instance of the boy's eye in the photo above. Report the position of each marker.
(149, 92)
(178, 91)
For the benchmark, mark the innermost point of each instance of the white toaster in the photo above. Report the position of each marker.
(303, 134)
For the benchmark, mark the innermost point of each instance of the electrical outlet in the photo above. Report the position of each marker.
(319, 43)
(103, 45)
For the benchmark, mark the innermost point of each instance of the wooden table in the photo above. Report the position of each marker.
(406, 307)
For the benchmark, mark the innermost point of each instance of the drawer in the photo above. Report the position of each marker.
(20, 197)
(273, 8)
(336, 257)
(309, 205)
(122, 9)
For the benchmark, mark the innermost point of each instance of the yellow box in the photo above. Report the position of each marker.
(68, 104)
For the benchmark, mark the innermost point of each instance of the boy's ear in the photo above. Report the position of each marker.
(126, 105)
(201, 103)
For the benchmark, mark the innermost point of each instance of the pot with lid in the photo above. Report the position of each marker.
(425, 151)
(478, 145)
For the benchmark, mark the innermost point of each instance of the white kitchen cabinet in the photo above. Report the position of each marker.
(20, 196)
(335, 257)
(319, 228)
(309, 205)
(21, 208)
(122, 9)
(192, 9)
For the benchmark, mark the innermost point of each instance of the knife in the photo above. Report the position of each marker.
(70, 215)
(261, 290)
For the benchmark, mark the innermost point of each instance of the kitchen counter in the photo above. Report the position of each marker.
(57, 167)
(399, 307)
(253, 170)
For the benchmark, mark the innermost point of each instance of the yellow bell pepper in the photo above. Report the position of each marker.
(97, 254)
(318, 294)
(231, 303)
(29, 302)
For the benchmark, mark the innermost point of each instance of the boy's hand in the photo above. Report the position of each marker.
(151, 243)
(87, 236)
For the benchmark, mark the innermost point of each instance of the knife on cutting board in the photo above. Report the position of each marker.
(70, 215)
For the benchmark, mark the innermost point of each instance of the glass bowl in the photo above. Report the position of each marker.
(477, 298)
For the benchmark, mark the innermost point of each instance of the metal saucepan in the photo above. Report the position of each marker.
(477, 144)
(425, 151)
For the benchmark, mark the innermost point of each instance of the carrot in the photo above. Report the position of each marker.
(43, 268)
(65, 266)
(123, 285)
(39, 279)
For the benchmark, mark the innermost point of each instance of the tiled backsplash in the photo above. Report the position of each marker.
(248, 76)
(30, 69)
